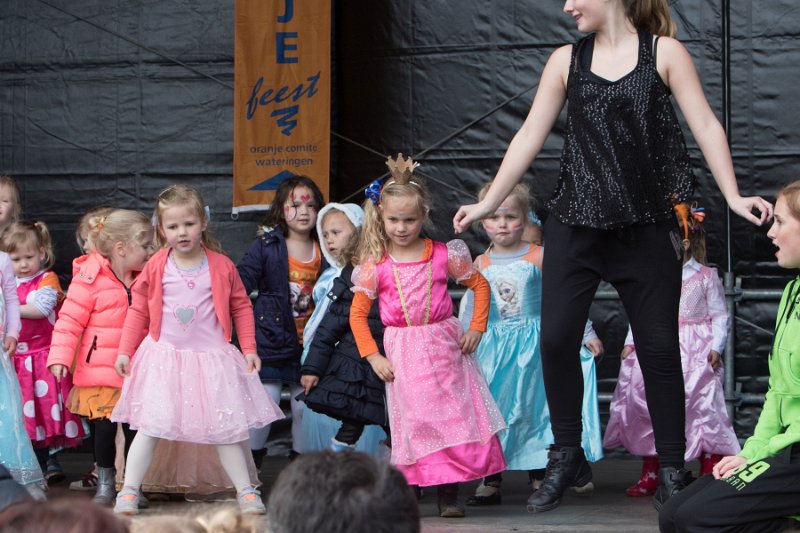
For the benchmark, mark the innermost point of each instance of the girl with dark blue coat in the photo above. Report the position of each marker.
(283, 263)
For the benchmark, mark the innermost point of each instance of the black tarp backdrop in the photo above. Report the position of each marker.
(109, 101)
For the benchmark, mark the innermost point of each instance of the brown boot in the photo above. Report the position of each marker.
(448, 501)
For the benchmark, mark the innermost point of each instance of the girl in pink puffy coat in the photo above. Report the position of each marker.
(89, 326)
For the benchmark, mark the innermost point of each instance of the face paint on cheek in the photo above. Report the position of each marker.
(490, 227)
(517, 227)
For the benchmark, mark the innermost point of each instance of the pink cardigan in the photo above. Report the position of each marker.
(230, 302)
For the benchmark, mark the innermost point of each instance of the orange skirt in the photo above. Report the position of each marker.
(93, 402)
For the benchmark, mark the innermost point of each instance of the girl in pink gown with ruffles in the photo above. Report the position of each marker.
(703, 329)
(186, 381)
(442, 417)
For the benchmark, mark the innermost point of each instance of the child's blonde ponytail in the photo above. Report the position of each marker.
(373, 236)
(120, 225)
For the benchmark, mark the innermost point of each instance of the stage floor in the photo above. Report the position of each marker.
(607, 508)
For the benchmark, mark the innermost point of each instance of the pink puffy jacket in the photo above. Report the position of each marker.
(89, 325)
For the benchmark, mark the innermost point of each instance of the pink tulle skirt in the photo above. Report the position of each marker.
(439, 402)
(204, 397)
(708, 428)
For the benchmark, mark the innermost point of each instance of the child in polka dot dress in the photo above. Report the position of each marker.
(49, 424)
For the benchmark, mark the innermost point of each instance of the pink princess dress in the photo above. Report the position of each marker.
(442, 416)
(191, 385)
(702, 319)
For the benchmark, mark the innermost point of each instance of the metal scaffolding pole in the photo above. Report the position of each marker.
(728, 277)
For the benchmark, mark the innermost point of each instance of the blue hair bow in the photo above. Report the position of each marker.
(698, 216)
(533, 218)
(373, 192)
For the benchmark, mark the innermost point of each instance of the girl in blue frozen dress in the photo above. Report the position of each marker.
(509, 354)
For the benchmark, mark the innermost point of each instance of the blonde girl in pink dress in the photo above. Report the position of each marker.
(442, 417)
(186, 381)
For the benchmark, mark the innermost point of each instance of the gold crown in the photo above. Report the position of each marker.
(401, 169)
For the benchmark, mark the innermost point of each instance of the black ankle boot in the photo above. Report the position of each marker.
(670, 482)
(566, 467)
(448, 501)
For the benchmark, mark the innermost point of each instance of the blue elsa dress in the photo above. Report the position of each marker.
(16, 452)
(510, 359)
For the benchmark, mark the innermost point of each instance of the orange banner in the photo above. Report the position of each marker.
(282, 97)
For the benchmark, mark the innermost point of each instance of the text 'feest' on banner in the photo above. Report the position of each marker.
(282, 97)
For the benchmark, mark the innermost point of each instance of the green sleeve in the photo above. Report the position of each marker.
(768, 426)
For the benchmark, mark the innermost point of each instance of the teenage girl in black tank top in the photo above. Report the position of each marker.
(624, 162)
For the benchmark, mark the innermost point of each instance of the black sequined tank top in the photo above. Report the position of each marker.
(624, 160)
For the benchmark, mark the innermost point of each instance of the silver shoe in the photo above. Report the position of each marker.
(106, 486)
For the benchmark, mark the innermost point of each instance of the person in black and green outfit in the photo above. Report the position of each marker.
(758, 489)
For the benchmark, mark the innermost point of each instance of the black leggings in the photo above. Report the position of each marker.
(644, 264)
(105, 434)
(42, 455)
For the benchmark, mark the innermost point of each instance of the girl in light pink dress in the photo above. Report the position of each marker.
(186, 381)
(442, 417)
(703, 329)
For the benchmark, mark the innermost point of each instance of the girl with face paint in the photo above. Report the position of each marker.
(509, 354)
(283, 263)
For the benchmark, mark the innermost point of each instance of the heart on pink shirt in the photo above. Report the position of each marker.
(185, 314)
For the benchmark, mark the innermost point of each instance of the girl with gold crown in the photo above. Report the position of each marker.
(442, 417)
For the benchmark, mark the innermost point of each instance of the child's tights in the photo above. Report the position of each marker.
(259, 436)
(140, 455)
(105, 434)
